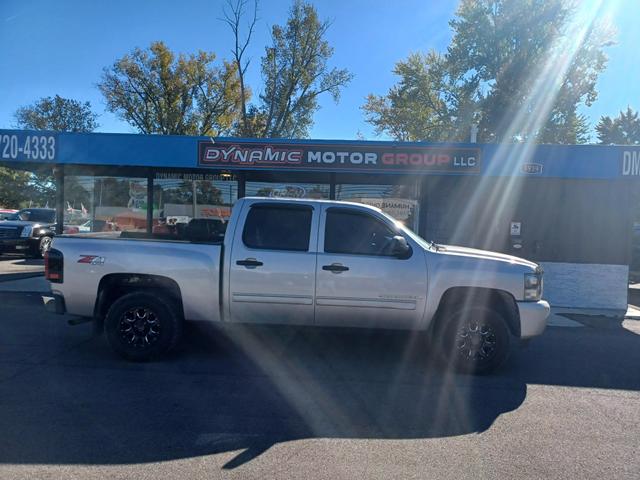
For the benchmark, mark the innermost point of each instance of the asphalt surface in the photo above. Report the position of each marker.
(14, 267)
(295, 403)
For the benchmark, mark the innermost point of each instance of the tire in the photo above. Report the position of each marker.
(142, 326)
(44, 244)
(474, 340)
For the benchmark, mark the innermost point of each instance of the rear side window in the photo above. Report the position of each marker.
(356, 233)
(274, 227)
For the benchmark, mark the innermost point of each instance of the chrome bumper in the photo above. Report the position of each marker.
(54, 303)
(533, 318)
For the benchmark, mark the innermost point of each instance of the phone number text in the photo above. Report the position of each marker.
(31, 147)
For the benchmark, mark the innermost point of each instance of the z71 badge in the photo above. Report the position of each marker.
(91, 259)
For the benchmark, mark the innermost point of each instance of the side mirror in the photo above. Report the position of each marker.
(399, 247)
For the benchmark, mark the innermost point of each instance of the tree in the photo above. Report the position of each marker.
(565, 128)
(14, 187)
(19, 188)
(621, 130)
(233, 13)
(158, 93)
(428, 103)
(207, 193)
(295, 73)
(519, 68)
(48, 113)
(294, 68)
(534, 58)
(58, 114)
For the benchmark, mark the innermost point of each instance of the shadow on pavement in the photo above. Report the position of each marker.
(603, 354)
(246, 389)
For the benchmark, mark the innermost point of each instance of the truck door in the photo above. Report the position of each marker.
(358, 281)
(273, 262)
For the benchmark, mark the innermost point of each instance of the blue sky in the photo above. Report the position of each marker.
(50, 48)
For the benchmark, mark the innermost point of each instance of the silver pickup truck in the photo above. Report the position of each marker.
(302, 262)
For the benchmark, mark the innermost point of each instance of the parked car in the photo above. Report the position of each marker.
(302, 262)
(28, 231)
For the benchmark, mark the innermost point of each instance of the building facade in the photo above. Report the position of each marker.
(571, 208)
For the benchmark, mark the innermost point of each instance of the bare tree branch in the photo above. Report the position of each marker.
(233, 18)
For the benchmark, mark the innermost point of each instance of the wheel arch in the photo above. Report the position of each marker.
(115, 285)
(502, 301)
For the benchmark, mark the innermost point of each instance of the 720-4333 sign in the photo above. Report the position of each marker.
(27, 147)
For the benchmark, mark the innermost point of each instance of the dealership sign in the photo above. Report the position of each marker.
(338, 157)
(631, 163)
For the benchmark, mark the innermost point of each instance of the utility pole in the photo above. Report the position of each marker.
(473, 137)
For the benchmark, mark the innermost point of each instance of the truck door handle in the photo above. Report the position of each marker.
(335, 268)
(249, 262)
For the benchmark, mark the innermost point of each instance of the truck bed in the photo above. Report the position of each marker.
(194, 267)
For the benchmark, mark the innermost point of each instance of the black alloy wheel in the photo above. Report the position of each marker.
(474, 340)
(143, 325)
(139, 327)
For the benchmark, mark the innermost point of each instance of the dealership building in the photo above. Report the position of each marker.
(569, 207)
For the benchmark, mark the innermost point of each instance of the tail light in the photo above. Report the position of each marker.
(54, 265)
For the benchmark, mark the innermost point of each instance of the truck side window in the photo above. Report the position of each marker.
(278, 227)
(357, 233)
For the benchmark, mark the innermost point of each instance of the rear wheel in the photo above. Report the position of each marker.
(474, 340)
(142, 326)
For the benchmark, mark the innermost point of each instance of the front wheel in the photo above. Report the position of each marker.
(39, 248)
(142, 326)
(474, 340)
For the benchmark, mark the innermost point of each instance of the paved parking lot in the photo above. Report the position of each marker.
(15, 266)
(295, 403)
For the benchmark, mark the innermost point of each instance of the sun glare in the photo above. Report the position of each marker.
(532, 115)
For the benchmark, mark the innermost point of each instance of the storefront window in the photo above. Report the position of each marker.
(194, 198)
(399, 201)
(287, 190)
(105, 205)
(179, 198)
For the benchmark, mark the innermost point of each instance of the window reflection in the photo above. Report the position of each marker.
(181, 202)
(105, 204)
(287, 190)
(195, 198)
(399, 201)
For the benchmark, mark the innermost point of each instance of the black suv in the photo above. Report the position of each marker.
(28, 231)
